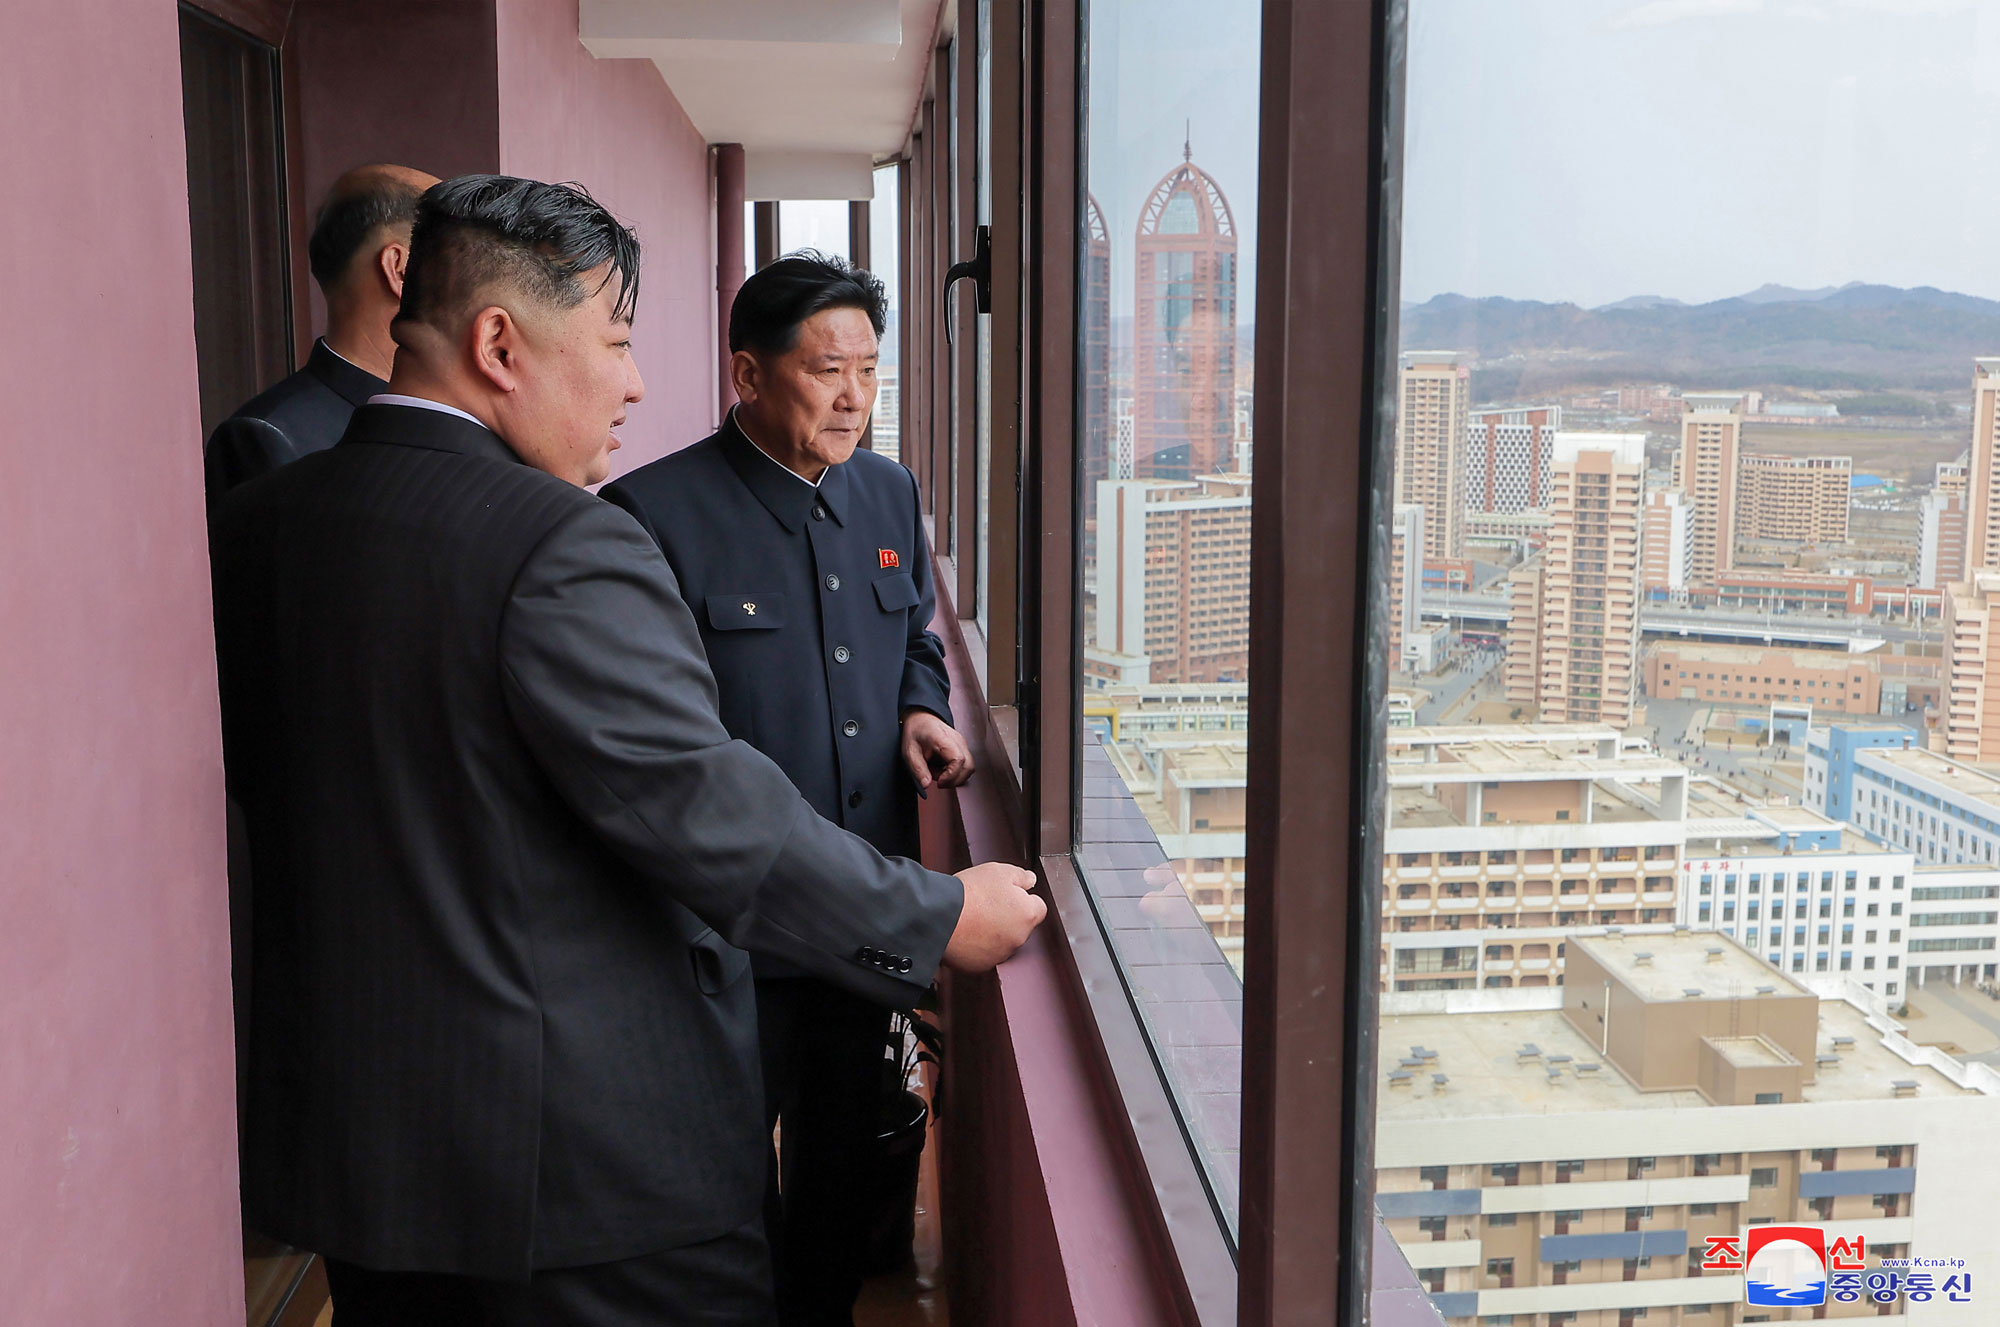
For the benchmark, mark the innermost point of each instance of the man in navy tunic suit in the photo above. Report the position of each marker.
(805, 562)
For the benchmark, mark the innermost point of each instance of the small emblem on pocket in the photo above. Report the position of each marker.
(888, 557)
(750, 609)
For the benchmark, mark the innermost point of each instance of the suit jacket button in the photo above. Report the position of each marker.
(905, 965)
(850, 728)
(841, 654)
(832, 582)
(854, 798)
(819, 512)
(865, 954)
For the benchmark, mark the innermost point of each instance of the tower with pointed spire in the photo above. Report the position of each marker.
(1184, 330)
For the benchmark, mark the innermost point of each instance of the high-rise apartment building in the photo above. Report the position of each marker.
(1972, 668)
(1097, 434)
(885, 425)
(1800, 499)
(1941, 527)
(1705, 469)
(1521, 670)
(1173, 580)
(1510, 457)
(1099, 430)
(1184, 334)
(1406, 577)
(1666, 544)
(1590, 579)
(1434, 391)
(1982, 505)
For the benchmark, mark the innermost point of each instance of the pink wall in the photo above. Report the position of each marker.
(118, 1192)
(369, 86)
(614, 127)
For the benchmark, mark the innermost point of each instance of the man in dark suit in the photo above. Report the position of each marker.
(806, 564)
(503, 1060)
(360, 242)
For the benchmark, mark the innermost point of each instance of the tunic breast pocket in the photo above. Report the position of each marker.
(896, 592)
(746, 612)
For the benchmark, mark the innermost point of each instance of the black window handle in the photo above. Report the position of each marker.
(979, 268)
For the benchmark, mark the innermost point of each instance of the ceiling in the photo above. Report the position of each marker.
(817, 91)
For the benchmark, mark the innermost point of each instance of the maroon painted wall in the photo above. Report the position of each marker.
(387, 80)
(614, 127)
(118, 1192)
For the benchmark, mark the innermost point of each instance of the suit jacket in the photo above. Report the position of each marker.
(504, 851)
(304, 413)
(813, 605)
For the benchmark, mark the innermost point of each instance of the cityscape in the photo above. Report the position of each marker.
(1693, 791)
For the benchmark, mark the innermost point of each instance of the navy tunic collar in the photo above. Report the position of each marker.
(352, 383)
(785, 495)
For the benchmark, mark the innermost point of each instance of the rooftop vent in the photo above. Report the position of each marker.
(1714, 953)
(1767, 990)
(1691, 992)
(1614, 933)
(1642, 960)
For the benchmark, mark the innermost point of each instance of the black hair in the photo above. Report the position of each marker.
(346, 220)
(476, 231)
(776, 300)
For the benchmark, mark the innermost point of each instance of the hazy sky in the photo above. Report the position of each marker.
(1160, 71)
(1588, 150)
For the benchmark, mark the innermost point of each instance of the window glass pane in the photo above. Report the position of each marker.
(1691, 565)
(813, 223)
(885, 260)
(1167, 272)
(982, 367)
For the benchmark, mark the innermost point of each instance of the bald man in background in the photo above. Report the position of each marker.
(360, 242)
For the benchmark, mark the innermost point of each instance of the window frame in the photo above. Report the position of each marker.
(1327, 263)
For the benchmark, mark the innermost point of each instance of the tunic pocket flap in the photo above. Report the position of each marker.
(746, 612)
(896, 593)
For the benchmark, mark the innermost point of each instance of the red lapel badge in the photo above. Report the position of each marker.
(888, 556)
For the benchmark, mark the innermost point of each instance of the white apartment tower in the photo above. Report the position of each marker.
(1406, 577)
(1509, 457)
(1666, 543)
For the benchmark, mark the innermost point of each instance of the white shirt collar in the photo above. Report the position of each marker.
(809, 483)
(342, 358)
(392, 398)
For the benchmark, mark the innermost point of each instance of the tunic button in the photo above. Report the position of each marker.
(850, 728)
(841, 654)
(854, 798)
(833, 582)
(819, 512)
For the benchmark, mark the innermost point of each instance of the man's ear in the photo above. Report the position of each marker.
(746, 375)
(496, 342)
(390, 262)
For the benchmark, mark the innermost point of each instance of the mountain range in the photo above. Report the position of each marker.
(1856, 337)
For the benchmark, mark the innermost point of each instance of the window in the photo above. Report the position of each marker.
(1764, 1177)
(1167, 283)
(1701, 1209)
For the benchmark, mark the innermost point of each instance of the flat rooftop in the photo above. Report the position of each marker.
(1702, 961)
(1479, 1055)
(1412, 807)
(1526, 763)
(1816, 659)
(1482, 733)
(1749, 1052)
(1976, 784)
